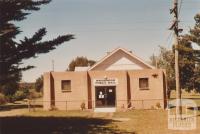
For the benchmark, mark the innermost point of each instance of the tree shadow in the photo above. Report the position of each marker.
(14, 106)
(58, 125)
(192, 98)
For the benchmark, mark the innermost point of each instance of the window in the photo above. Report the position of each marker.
(144, 83)
(66, 85)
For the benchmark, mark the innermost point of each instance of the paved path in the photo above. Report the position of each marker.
(102, 115)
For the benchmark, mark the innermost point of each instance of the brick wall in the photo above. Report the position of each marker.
(82, 85)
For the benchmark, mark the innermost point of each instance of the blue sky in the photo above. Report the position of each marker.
(100, 26)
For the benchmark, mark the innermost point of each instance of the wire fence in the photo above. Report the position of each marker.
(34, 105)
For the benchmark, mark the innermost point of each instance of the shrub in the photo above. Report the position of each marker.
(82, 106)
(34, 94)
(10, 98)
(19, 95)
(2, 99)
(9, 89)
(158, 105)
(39, 84)
(152, 107)
(53, 108)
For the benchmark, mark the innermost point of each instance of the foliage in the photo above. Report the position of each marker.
(9, 88)
(39, 84)
(192, 56)
(158, 105)
(83, 107)
(13, 52)
(26, 85)
(81, 62)
(19, 95)
(24, 94)
(33, 94)
(2, 99)
(189, 60)
(194, 37)
(165, 59)
(186, 65)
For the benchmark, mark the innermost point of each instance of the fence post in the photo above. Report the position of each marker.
(93, 105)
(34, 106)
(66, 105)
(29, 105)
(142, 104)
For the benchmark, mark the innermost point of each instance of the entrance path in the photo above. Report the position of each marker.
(108, 116)
(102, 115)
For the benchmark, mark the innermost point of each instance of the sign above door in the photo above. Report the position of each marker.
(105, 82)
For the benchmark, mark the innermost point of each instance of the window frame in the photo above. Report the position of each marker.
(62, 86)
(144, 88)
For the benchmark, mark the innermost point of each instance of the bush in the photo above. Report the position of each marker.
(34, 94)
(82, 106)
(158, 105)
(9, 89)
(19, 95)
(2, 99)
(39, 84)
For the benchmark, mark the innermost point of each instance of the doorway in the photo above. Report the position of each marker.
(105, 96)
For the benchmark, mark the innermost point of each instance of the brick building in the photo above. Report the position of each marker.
(120, 80)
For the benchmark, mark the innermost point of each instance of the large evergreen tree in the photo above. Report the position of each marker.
(12, 52)
(193, 37)
(186, 64)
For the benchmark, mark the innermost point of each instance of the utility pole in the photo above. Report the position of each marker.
(176, 30)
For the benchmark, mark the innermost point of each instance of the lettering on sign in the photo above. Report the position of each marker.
(105, 82)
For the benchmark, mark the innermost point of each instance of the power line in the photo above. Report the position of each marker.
(179, 11)
(169, 39)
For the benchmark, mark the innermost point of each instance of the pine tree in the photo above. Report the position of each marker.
(186, 64)
(194, 37)
(12, 52)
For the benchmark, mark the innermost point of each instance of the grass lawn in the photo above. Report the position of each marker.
(83, 122)
(87, 122)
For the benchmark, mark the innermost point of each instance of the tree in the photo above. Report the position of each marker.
(13, 52)
(186, 64)
(193, 37)
(81, 62)
(165, 60)
(189, 60)
(39, 84)
(153, 60)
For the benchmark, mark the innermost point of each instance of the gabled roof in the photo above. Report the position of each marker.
(109, 55)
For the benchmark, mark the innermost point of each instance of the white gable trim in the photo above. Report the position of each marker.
(124, 50)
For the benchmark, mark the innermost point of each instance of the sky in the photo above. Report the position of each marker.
(101, 26)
